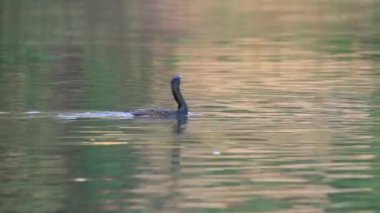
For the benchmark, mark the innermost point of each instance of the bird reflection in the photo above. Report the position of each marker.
(179, 127)
(180, 124)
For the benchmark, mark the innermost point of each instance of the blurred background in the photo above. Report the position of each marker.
(286, 96)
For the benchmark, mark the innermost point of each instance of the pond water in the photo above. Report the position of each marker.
(284, 94)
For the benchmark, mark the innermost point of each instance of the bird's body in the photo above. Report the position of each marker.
(154, 113)
(181, 111)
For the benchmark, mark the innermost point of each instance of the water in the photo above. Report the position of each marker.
(285, 97)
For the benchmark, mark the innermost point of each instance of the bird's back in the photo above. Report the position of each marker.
(154, 113)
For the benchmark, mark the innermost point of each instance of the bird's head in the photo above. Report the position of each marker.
(176, 80)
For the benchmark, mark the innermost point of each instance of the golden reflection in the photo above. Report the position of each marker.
(290, 103)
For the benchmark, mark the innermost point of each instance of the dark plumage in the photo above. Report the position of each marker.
(181, 111)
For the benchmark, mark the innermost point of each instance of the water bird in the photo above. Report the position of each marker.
(182, 109)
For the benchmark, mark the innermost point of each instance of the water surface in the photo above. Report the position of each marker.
(285, 96)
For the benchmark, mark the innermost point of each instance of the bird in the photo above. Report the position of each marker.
(182, 109)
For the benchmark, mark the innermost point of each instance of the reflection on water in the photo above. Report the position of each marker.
(97, 115)
(285, 95)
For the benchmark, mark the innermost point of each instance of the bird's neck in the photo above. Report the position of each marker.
(182, 106)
